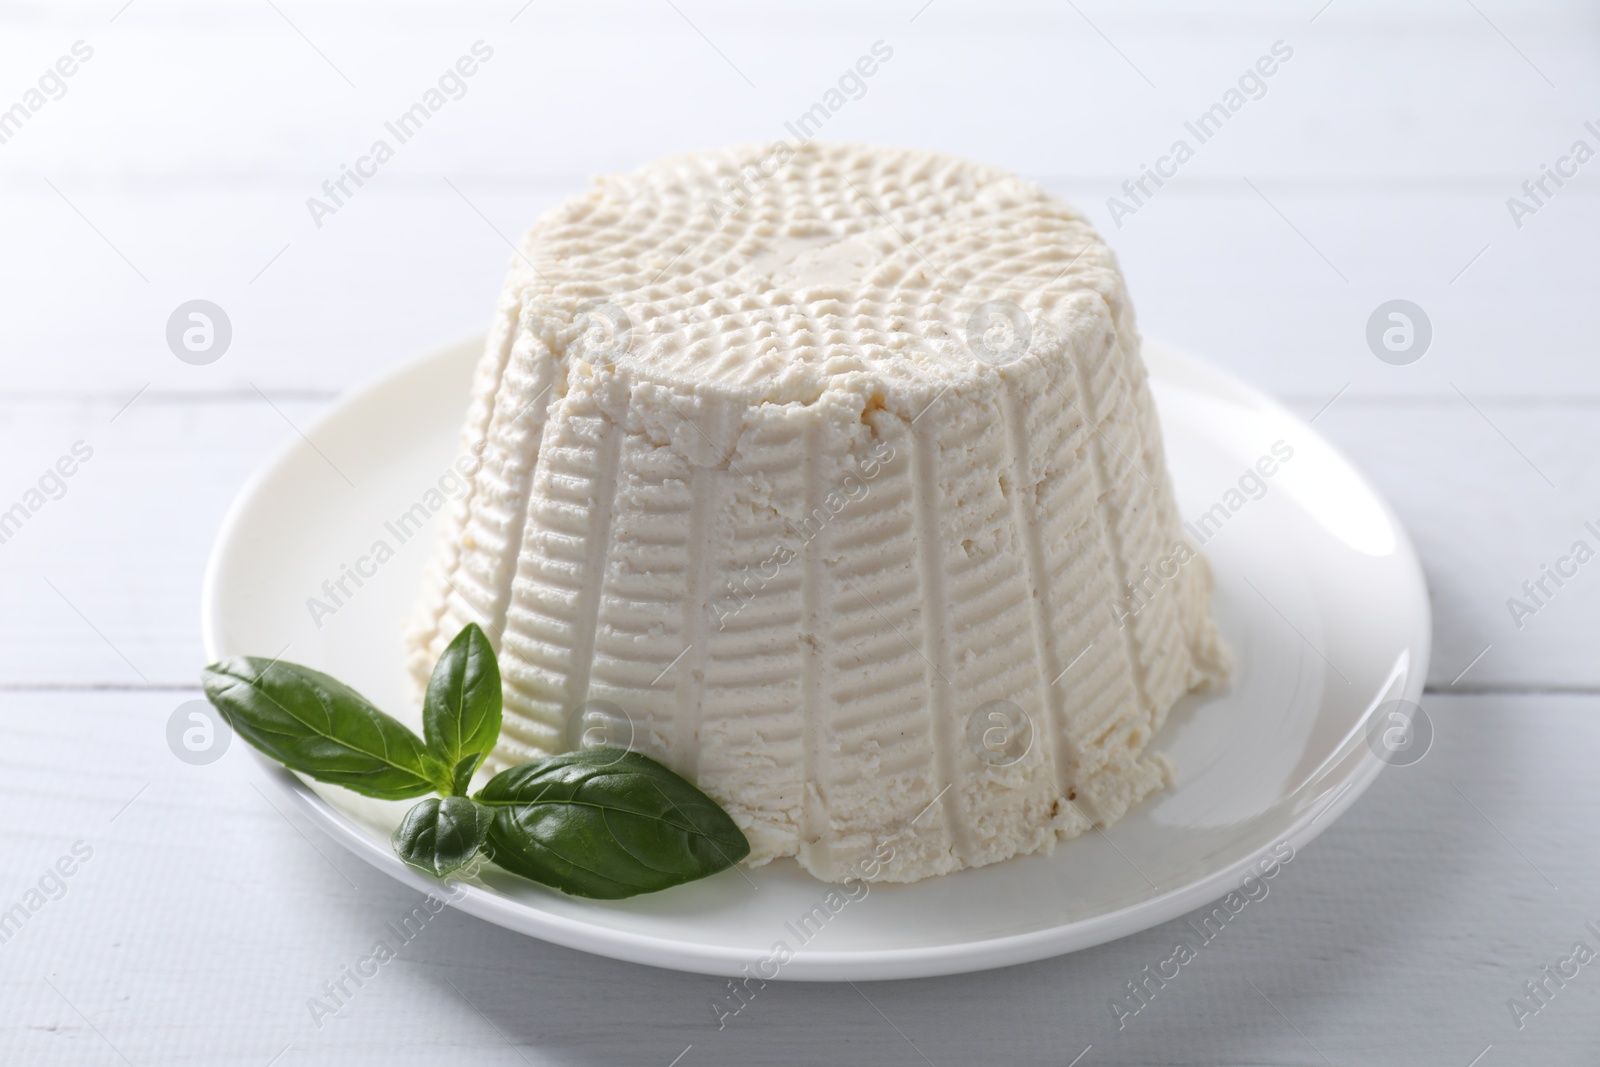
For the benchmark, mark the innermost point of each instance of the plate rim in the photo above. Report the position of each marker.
(810, 965)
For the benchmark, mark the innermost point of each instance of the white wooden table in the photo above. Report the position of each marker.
(176, 164)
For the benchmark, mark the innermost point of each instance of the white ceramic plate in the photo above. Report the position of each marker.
(1319, 593)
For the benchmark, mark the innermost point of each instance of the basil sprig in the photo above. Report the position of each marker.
(601, 822)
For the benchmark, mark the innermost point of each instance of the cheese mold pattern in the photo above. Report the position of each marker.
(795, 408)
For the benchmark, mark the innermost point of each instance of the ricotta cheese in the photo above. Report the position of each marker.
(838, 489)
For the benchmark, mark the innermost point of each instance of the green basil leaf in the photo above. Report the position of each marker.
(319, 726)
(461, 712)
(607, 823)
(442, 835)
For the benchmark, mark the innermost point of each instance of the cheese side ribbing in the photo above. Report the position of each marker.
(759, 493)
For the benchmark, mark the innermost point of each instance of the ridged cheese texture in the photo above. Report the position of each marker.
(756, 493)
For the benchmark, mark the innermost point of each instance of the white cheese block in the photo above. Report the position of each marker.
(770, 490)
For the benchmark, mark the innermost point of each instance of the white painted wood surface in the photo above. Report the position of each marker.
(1377, 165)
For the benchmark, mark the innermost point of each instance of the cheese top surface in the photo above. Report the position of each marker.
(830, 477)
(769, 274)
